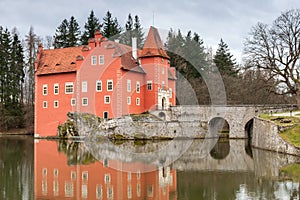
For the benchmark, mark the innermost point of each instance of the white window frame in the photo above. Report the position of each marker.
(171, 92)
(45, 89)
(93, 60)
(128, 100)
(83, 101)
(112, 85)
(56, 87)
(151, 85)
(55, 104)
(67, 86)
(85, 176)
(138, 101)
(98, 82)
(128, 85)
(101, 59)
(163, 84)
(138, 87)
(73, 102)
(84, 86)
(107, 178)
(107, 102)
(99, 191)
(45, 104)
(129, 192)
(163, 71)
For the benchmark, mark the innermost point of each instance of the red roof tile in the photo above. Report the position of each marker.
(153, 45)
(58, 60)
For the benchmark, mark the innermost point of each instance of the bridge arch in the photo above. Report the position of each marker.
(219, 126)
(248, 136)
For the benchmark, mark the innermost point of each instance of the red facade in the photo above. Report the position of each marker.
(105, 78)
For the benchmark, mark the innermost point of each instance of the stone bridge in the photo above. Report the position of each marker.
(239, 119)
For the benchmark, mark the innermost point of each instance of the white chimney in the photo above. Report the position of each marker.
(134, 48)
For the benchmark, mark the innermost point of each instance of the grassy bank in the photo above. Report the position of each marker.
(292, 171)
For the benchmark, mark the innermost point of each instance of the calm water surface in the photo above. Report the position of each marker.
(16, 168)
(181, 169)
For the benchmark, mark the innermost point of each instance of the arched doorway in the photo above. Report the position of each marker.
(163, 103)
(218, 126)
(248, 135)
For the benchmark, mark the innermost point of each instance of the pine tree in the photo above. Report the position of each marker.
(110, 26)
(224, 61)
(138, 32)
(90, 27)
(133, 29)
(73, 33)
(61, 35)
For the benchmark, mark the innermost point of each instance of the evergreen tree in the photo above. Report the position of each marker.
(133, 29)
(11, 79)
(224, 61)
(110, 26)
(73, 33)
(61, 35)
(90, 27)
(138, 32)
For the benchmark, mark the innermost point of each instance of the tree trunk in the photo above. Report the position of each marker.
(298, 95)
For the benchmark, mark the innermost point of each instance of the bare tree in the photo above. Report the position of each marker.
(276, 49)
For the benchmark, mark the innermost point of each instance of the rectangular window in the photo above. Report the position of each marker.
(150, 191)
(128, 85)
(84, 191)
(171, 92)
(55, 187)
(128, 100)
(45, 104)
(85, 176)
(69, 89)
(45, 89)
(138, 189)
(107, 99)
(129, 176)
(107, 178)
(138, 175)
(73, 175)
(98, 86)
(56, 88)
(55, 172)
(101, 59)
(138, 101)
(163, 85)
(138, 87)
(129, 192)
(55, 104)
(110, 192)
(162, 71)
(149, 85)
(109, 85)
(69, 190)
(99, 192)
(84, 101)
(93, 60)
(84, 86)
(73, 102)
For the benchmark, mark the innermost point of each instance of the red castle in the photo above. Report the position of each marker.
(105, 78)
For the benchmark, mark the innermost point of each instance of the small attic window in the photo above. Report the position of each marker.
(57, 64)
(45, 65)
(72, 63)
(85, 48)
(79, 58)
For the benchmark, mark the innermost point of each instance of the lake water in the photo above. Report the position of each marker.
(178, 169)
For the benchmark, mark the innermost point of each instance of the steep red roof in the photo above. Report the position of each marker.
(153, 45)
(58, 60)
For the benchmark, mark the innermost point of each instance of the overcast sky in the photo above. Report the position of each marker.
(212, 20)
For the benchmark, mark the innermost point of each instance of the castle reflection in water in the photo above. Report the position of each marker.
(65, 171)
